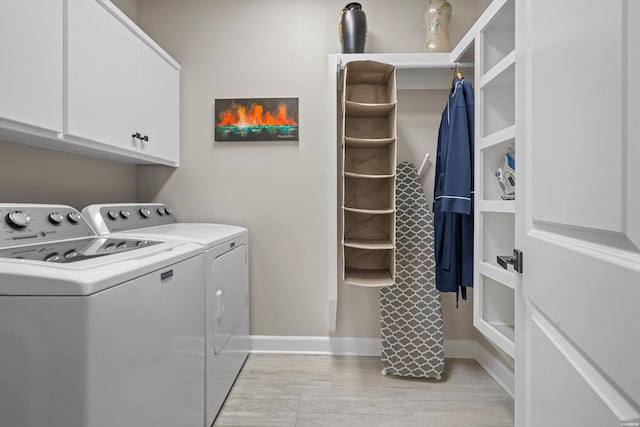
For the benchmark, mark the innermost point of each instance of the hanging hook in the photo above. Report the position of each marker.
(455, 72)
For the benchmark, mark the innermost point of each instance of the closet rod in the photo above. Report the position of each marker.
(419, 65)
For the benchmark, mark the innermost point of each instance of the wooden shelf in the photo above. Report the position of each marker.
(497, 273)
(497, 70)
(502, 335)
(499, 206)
(498, 137)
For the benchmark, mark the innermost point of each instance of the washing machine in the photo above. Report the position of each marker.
(97, 331)
(226, 295)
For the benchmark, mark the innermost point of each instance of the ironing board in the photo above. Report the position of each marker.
(410, 310)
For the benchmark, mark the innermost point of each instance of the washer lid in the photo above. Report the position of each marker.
(75, 250)
(92, 274)
(205, 234)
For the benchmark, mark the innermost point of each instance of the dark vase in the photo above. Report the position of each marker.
(353, 28)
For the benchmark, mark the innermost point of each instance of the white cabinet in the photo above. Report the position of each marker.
(120, 92)
(101, 76)
(158, 104)
(79, 76)
(31, 70)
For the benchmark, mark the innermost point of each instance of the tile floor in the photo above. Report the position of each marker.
(300, 390)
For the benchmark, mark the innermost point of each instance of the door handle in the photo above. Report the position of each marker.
(515, 260)
(219, 306)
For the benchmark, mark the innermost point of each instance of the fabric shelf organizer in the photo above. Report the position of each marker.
(411, 311)
(369, 108)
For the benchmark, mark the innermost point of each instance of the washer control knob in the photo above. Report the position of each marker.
(145, 212)
(161, 211)
(52, 257)
(71, 253)
(168, 211)
(122, 245)
(124, 214)
(73, 217)
(113, 215)
(55, 218)
(110, 247)
(18, 219)
(142, 243)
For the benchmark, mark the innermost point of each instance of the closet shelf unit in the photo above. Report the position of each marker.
(369, 109)
(370, 157)
(495, 287)
(489, 48)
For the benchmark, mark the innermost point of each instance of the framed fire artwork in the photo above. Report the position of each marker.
(256, 119)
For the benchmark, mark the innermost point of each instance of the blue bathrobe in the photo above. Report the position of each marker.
(453, 193)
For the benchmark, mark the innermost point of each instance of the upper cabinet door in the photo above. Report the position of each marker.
(101, 76)
(158, 104)
(31, 71)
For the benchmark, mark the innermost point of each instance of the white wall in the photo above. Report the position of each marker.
(37, 175)
(279, 48)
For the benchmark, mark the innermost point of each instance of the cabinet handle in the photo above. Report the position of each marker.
(137, 135)
(145, 138)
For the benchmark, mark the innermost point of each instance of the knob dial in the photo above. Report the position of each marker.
(167, 211)
(113, 215)
(52, 257)
(145, 212)
(73, 217)
(55, 218)
(124, 214)
(122, 245)
(71, 253)
(161, 211)
(18, 219)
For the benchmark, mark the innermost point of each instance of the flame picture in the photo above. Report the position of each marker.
(260, 119)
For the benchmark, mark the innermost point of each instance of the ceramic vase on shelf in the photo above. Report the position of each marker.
(352, 28)
(436, 21)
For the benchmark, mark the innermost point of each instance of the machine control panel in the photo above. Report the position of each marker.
(124, 217)
(31, 223)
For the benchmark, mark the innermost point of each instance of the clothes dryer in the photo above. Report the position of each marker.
(226, 295)
(97, 331)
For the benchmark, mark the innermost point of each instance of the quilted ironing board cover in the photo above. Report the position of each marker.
(410, 311)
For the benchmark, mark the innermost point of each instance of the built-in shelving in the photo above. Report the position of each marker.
(363, 154)
(495, 287)
(489, 47)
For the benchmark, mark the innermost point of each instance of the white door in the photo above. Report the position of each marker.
(101, 76)
(31, 68)
(578, 213)
(158, 104)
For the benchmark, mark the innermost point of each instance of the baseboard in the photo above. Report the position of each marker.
(343, 346)
(336, 346)
(351, 346)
